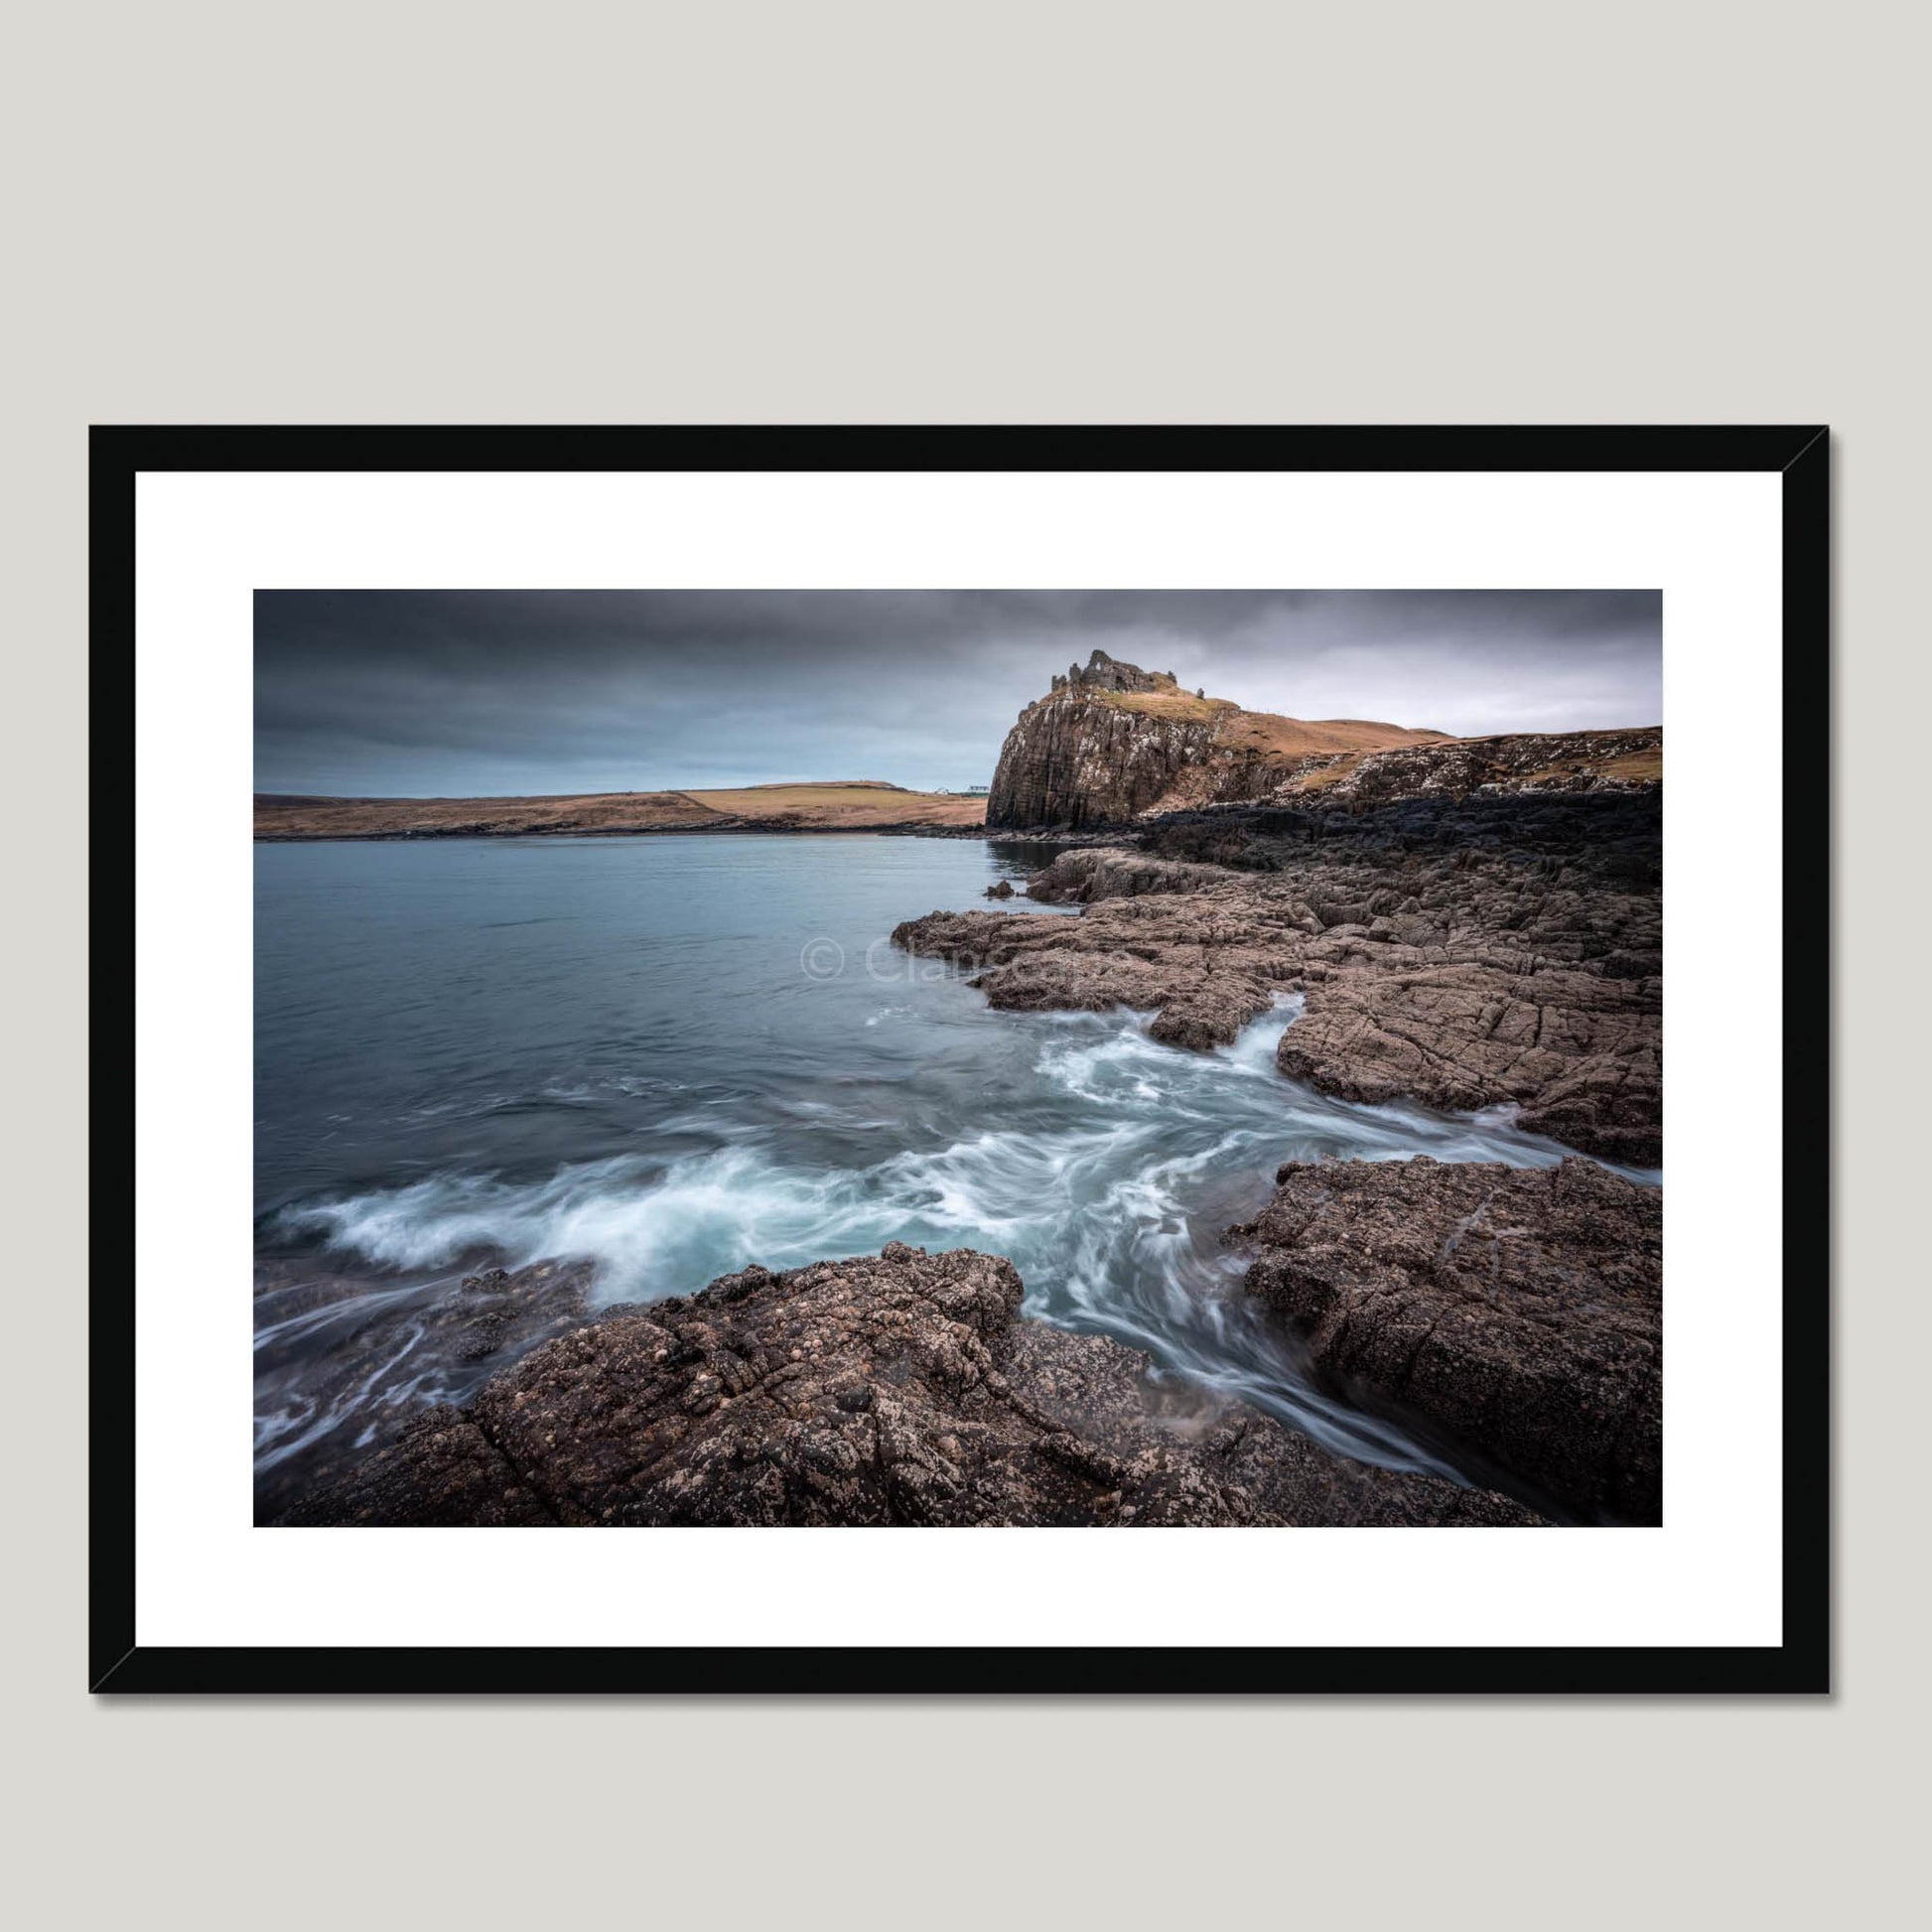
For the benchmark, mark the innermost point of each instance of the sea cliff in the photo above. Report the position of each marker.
(1110, 742)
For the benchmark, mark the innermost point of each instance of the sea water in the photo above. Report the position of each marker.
(673, 1056)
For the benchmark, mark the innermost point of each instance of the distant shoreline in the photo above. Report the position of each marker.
(904, 829)
(856, 806)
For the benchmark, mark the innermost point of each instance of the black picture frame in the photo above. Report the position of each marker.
(1798, 455)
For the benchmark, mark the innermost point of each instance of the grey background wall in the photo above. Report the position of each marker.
(841, 212)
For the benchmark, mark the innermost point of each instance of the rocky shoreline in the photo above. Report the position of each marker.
(1463, 926)
(1462, 953)
(897, 1389)
(1517, 1310)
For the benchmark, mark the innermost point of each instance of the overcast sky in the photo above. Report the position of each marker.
(453, 693)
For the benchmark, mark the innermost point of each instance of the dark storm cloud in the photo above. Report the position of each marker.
(432, 692)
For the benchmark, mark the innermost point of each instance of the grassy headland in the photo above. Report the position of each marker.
(859, 805)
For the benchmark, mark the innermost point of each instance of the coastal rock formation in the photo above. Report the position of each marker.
(1540, 762)
(902, 1388)
(1518, 1309)
(1111, 740)
(1577, 1052)
(452, 1335)
(1084, 873)
(1502, 951)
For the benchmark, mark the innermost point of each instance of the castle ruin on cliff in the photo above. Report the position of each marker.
(1104, 673)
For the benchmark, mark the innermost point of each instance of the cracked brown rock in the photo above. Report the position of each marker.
(1519, 1310)
(452, 1335)
(902, 1388)
(1439, 960)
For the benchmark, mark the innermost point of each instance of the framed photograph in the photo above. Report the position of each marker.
(1034, 1059)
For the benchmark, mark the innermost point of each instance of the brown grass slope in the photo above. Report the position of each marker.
(1264, 731)
(849, 807)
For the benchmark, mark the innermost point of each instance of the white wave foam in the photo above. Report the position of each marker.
(646, 1229)
(1153, 1124)
(1110, 1205)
